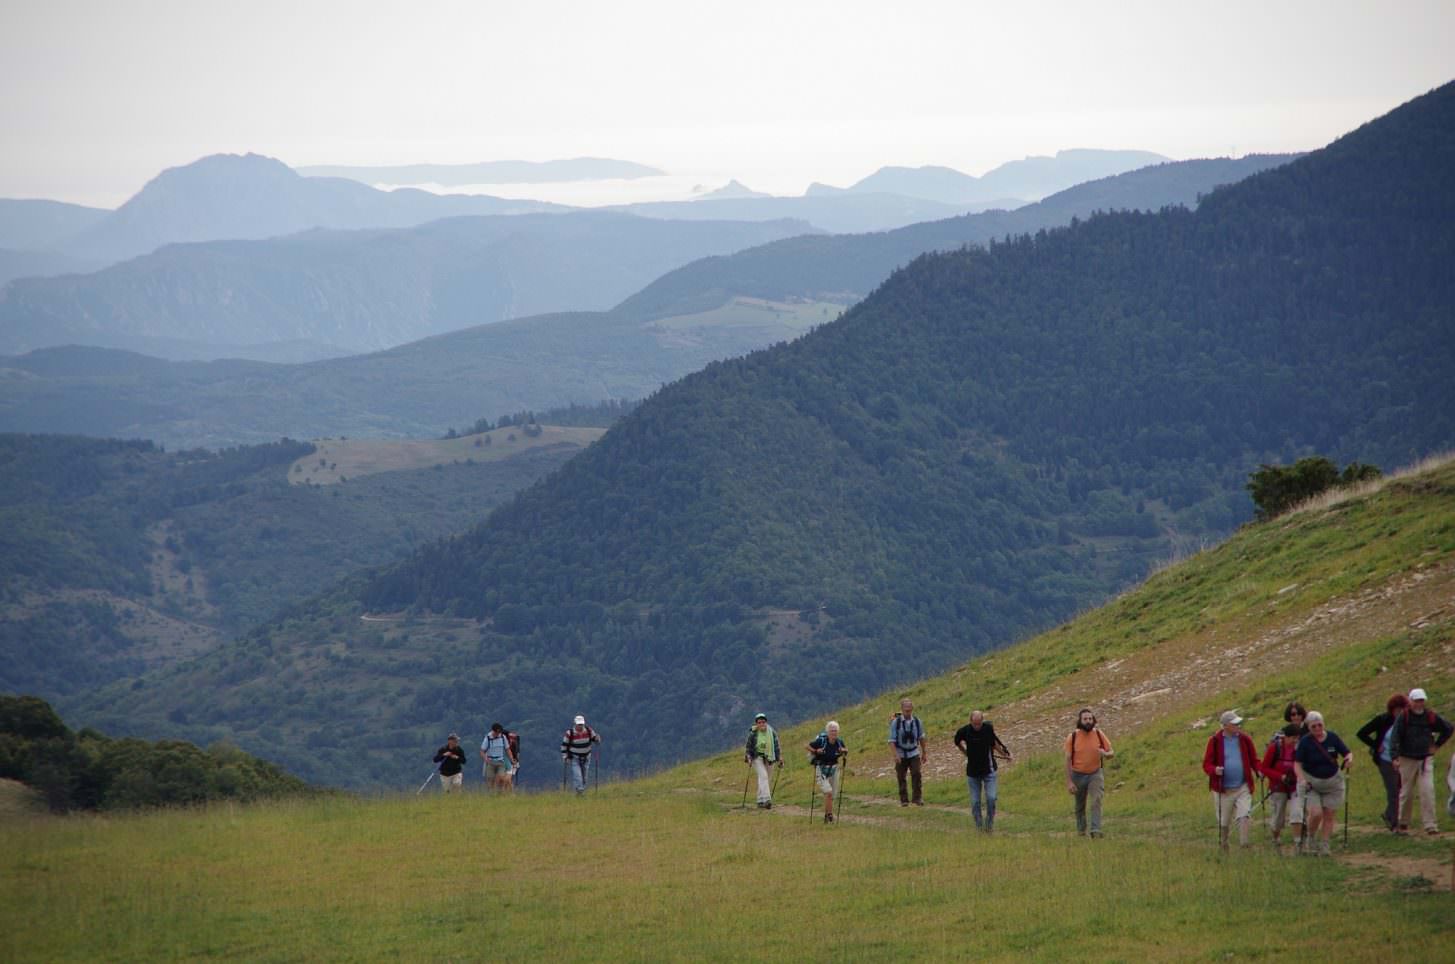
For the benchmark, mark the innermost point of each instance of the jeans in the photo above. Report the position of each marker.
(1390, 773)
(912, 766)
(987, 785)
(1089, 790)
(578, 772)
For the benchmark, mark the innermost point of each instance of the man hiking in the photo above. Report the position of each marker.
(1231, 764)
(977, 740)
(576, 749)
(498, 758)
(828, 753)
(1419, 732)
(1086, 748)
(907, 738)
(451, 761)
(762, 752)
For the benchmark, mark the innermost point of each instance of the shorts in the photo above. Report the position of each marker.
(1326, 792)
(827, 778)
(495, 768)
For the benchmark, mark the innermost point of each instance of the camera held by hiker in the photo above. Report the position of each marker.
(1231, 764)
(907, 738)
(451, 761)
(1322, 762)
(1378, 735)
(1419, 732)
(761, 752)
(977, 740)
(829, 752)
(1087, 748)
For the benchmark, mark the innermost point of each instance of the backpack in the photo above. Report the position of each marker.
(914, 732)
(513, 738)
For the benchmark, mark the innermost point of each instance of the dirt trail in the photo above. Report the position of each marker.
(1140, 689)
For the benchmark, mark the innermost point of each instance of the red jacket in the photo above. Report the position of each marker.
(1212, 758)
(1277, 764)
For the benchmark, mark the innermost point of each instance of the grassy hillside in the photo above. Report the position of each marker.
(338, 460)
(1337, 606)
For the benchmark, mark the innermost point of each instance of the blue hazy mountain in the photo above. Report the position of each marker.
(487, 172)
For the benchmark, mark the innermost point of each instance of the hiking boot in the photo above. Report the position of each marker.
(919, 803)
(768, 805)
(1432, 831)
(1324, 849)
(904, 803)
(1096, 835)
(828, 818)
(762, 805)
(1403, 830)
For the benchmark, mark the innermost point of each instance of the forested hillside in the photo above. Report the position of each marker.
(993, 440)
(674, 326)
(117, 557)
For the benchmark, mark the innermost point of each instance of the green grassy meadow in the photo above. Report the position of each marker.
(1337, 606)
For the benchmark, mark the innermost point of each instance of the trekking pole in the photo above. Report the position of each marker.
(773, 790)
(1346, 809)
(432, 774)
(746, 777)
(595, 770)
(812, 790)
(839, 788)
(564, 763)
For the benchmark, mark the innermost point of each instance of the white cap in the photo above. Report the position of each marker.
(1416, 694)
(1231, 718)
(580, 721)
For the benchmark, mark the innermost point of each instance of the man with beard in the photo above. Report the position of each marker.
(1086, 748)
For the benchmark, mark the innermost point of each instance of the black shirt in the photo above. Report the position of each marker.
(978, 746)
(451, 759)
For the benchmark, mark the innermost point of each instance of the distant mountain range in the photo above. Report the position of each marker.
(325, 293)
(994, 439)
(38, 225)
(487, 172)
(710, 309)
(1029, 179)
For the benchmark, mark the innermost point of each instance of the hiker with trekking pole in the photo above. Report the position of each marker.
(1282, 793)
(1322, 763)
(1419, 732)
(761, 751)
(828, 753)
(450, 761)
(1087, 749)
(576, 752)
(982, 749)
(1231, 764)
(1378, 735)
(498, 758)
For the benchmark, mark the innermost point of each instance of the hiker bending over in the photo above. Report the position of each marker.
(828, 753)
(1086, 748)
(1378, 735)
(761, 752)
(1419, 732)
(977, 740)
(1231, 764)
(498, 759)
(451, 760)
(576, 748)
(907, 737)
(1320, 757)
(1277, 766)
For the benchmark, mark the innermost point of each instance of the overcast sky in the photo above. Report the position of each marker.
(97, 97)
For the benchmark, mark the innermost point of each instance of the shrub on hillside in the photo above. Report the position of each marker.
(1277, 488)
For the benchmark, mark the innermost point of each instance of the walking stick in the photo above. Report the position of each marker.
(746, 777)
(564, 763)
(595, 770)
(839, 787)
(773, 790)
(432, 774)
(1346, 809)
(812, 791)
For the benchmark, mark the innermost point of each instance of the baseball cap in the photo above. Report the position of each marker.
(453, 736)
(1417, 694)
(1231, 717)
(760, 716)
(579, 721)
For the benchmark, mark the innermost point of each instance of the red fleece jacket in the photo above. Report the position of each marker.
(1212, 758)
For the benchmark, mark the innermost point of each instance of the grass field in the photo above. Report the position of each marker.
(1337, 606)
(338, 460)
(795, 317)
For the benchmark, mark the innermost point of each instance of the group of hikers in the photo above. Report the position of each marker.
(500, 759)
(1304, 767)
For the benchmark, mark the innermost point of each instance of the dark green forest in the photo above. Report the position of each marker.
(90, 771)
(83, 520)
(994, 439)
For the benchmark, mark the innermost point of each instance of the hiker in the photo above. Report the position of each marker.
(576, 749)
(1086, 749)
(1295, 714)
(977, 740)
(1318, 760)
(1284, 802)
(451, 761)
(1419, 732)
(761, 753)
(498, 758)
(828, 750)
(1231, 764)
(907, 737)
(1378, 735)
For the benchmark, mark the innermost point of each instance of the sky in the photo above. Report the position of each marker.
(97, 97)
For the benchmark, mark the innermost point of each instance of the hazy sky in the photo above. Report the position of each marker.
(97, 97)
